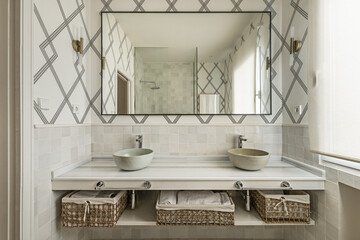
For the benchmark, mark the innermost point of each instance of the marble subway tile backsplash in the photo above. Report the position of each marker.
(185, 140)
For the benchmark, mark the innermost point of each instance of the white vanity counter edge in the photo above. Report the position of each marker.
(188, 172)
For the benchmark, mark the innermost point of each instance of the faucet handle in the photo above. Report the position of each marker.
(139, 139)
(242, 138)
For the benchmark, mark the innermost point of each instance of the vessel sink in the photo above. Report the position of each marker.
(249, 159)
(133, 159)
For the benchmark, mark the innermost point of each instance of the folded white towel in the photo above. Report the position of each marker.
(94, 194)
(199, 200)
(225, 199)
(168, 197)
(202, 198)
(106, 194)
(278, 192)
(93, 197)
(85, 194)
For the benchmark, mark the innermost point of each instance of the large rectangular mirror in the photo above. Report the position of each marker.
(186, 63)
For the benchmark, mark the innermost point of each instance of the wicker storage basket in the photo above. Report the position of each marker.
(93, 212)
(194, 215)
(276, 207)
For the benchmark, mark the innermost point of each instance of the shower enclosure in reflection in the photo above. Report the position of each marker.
(164, 80)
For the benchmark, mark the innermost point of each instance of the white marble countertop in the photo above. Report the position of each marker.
(187, 173)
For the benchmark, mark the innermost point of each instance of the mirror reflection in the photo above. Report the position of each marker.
(186, 63)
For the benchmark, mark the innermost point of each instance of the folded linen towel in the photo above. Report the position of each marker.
(106, 194)
(168, 197)
(85, 194)
(202, 198)
(94, 194)
(91, 197)
(225, 199)
(278, 192)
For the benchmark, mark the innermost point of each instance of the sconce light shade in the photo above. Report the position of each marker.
(295, 45)
(78, 45)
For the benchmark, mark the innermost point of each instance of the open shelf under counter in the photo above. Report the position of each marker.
(145, 213)
(188, 173)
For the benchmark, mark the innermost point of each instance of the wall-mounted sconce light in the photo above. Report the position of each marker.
(78, 46)
(295, 46)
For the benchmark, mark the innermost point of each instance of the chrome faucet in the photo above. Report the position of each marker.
(241, 140)
(139, 139)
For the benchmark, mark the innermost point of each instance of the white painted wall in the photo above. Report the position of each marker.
(244, 75)
(245, 69)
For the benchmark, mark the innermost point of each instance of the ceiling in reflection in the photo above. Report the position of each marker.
(214, 34)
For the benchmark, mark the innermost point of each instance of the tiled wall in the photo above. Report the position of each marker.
(185, 140)
(176, 93)
(59, 78)
(54, 148)
(296, 145)
(326, 207)
(57, 146)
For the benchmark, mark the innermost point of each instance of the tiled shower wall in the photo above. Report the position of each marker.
(176, 88)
